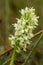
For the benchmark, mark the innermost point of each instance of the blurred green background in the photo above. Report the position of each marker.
(9, 11)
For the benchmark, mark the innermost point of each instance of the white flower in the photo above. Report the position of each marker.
(31, 10)
(11, 37)
(20, 38)
(31, 27)
(22, 11)
(24, 23)
(24, 28)
(31, 35)
(25, 37)
(22, 31)
(26, 8)
(18, 21)
(15, 25)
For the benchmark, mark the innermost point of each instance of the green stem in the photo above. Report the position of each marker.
(13, 56)
(33, 49)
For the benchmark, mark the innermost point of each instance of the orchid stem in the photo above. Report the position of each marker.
(13, 56)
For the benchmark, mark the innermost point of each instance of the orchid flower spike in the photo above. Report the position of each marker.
(24, 28)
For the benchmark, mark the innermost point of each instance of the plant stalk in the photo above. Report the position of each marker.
(33, 49)
(13, 56)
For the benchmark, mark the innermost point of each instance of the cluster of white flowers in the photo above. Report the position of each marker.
(24, 28)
